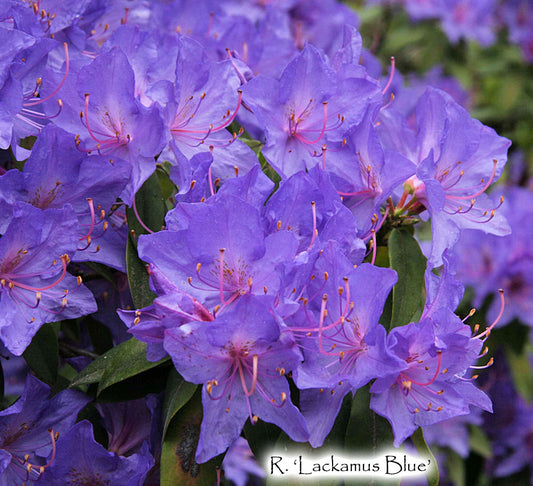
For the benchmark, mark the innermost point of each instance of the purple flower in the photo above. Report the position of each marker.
(128, 425)
(199, 107)
(488, 263)
(217, 251)
(239, 463)
(453, 433)
(458, 158)
(471, 19)
(35, 286)
(432, 388)
(308, 205)
(80, 459)
(107, 118)
(365, 174)
(30, 428)
(343, 345)
(307, 109)
(57, 173)
(29, 86)
(240, 358)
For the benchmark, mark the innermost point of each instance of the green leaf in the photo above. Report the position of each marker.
(137, 386)
(367, 433)
(119, 355)
(479, 442)
(151, 209)
(138, 277)
(100, 335)
(42, 355)
(178, 465)
(408, 295)
(521, 372)
(261, 437)
(150, 205)
(423, 449)
(178, 392)
(455, 467)
(168, 188)
(129, 361)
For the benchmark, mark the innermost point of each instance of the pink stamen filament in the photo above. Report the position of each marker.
(483, 189)
(322, 130)
(91, 227)
(315, 231)
(439, 361)
(374, 247)
(64, 259)
(210, 179)
(250, 392)
(221, 275)
(40, 469)
(391, 76)
(139, 219)
(499, 316)
(42, 100)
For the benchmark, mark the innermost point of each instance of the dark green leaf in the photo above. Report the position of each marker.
(455, 467)
(100, 335)
(138, 386)
(408, 295)
(138, 278)
(168, 188)
(129, 361)
(104, 271)
(479, 442)
(262, 436)
(129, 350)
(178, 465)
(177, 393)
(521, 372)
(42, 354)
(423, 449)
(150, 205)
(367, 434)
(151, 209)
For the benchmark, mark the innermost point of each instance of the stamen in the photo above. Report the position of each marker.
(499, 316)
(439, 361)
(221, 275)
(42, 100)
(315, 231)
(139, 219)
(391, 76)
(470, 314)
(374, 246)
(483, 189)
(255, 360)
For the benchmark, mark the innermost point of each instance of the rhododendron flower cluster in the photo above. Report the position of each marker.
(232, 184)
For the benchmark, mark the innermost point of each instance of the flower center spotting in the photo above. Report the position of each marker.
(243, 366)
(224, 275)
(110, 134)
(27, 296)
